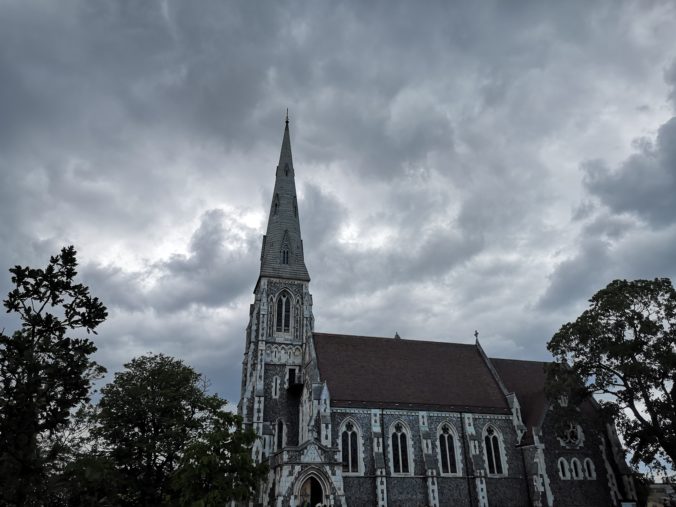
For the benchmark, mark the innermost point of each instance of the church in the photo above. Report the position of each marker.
(383, 421)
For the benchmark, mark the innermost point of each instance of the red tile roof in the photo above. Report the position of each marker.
(406, 374)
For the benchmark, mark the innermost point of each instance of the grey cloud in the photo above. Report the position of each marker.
(644, 184)
(578, 278)
(446, 125)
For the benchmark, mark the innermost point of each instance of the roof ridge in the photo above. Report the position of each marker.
(519, 360)
(390, 339)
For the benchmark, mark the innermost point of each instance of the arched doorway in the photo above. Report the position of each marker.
(311, 493)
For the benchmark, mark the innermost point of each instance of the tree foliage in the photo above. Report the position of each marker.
(217, 467)
(623, 349)
(44, 373)
(162, 431)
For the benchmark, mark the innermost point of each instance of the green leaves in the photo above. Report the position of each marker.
(44, 373)
(623, 347)
(171, 441)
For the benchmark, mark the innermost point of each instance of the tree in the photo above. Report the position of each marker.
(218, 467)
(155, 417)
(623, 348)
(44, 373)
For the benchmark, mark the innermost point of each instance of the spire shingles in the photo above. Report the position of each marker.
(282, 252)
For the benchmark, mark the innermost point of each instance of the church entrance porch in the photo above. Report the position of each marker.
(311, 493)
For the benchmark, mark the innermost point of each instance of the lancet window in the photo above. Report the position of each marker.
(400, 450)
(283, 313)
(493, 452)
(447, 450)
(349, 448)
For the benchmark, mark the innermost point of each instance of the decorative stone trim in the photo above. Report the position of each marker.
(610, 475)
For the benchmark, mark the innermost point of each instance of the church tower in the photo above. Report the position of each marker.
(280, 321)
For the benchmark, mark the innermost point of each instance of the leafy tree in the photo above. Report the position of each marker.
(155, 417)
(218, 467)
(623, 348)
(44, 373)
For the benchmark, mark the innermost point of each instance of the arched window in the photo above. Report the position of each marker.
(564, 470)
(285, 254)
(283, 317)
(576, 468)
(448, 441)
(349, 448)
(275, 205)
(280, 435)
(493, 452)
(401, 457)
(589, 469)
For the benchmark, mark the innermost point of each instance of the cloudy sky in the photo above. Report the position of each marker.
(460, 166)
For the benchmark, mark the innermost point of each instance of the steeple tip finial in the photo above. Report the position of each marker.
(286, 120)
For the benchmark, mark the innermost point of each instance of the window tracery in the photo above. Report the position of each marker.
(349, 448)
(283, 313)
(448, 459)
(572, 436)
(493, 452)
(400, 449)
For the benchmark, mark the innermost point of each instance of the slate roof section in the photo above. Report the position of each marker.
(373, 372)
(283, 222)
(527, 380)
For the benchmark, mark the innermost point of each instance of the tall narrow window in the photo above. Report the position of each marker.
(576, 468)
(280, 434)
(285, 255)
(349, 449)
(399, 450)
(564, 470)
(589, 470)
(447, 451)
(493, 456)
(283, 317)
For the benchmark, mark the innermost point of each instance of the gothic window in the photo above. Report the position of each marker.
(589, 469)
(400, 450)
(493, 452)
(286, 169)
(280, 435)
(275, 205)
(576, 468)
(572, 436)
(349, 448)
(447, 450)
(285, 254)
(564, 470)
(283, 317)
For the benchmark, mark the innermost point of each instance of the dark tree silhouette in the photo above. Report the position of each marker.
(44, 373)
(623, 347)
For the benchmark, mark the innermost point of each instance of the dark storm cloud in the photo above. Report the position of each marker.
(436, 149)
(645, 183)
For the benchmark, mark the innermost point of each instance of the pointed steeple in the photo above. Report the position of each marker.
(282, 252)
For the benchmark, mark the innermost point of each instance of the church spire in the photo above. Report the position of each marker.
(282, 252)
